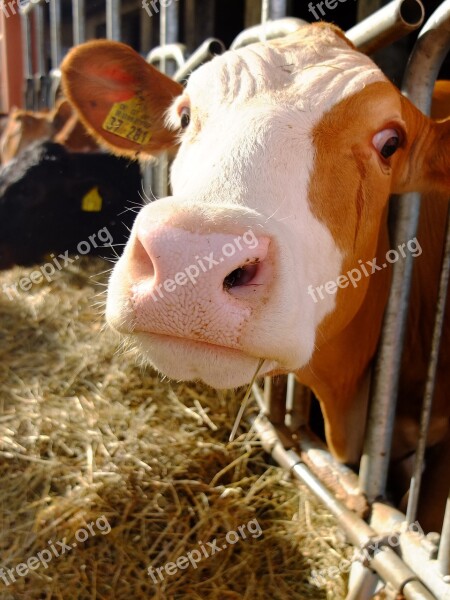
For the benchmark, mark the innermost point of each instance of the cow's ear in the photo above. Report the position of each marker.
(61, 114)
(120, 98)
(423, 164)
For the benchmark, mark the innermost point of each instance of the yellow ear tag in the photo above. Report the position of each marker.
(92, 201)
(129, 120)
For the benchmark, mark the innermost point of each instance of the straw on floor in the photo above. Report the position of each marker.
(95, 447)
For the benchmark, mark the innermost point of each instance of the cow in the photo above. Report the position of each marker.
(52, 200)
(23, 127)
(287, 154)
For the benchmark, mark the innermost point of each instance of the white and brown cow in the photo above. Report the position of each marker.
(288, 152)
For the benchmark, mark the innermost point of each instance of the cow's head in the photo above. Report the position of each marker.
(23, 127)
(287, 154)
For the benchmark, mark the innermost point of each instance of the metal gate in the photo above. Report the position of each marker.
(421, 568)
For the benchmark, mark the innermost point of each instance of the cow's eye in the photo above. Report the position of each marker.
(387, 142)
(185, 116)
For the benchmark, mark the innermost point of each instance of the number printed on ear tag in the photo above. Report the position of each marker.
(129, 120)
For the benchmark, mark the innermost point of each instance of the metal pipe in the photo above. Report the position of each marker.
(55, 33)
(113, 19)
(27, 54)
(209, 49)
(384, 561)
(277, 9)
(40, 74)
(362, 583)
(444, 546)
(28, 91)
(25, 10)
(415, 550)
(387, 25)
(414, 490)
(39, 12)
(313, 452)
(161, 54)
(79, 25)
(269, 30)
(168, 35)
(423, 67)
(168, 32)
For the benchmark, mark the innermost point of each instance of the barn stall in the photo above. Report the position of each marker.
(91, 438)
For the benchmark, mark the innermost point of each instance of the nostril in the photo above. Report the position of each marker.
(241, 276)
(141, 265)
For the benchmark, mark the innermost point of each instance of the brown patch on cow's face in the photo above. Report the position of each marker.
(351, 182)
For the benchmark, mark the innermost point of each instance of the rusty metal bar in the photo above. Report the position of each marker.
(425, 62)
(387, 25)
(313, 452)
(385, 561)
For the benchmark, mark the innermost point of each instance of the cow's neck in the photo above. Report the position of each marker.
(338, 372)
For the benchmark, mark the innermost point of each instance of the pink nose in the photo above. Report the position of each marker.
(199, 286)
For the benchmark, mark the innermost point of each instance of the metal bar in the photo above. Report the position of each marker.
(362, 583)
(78, 16)
(40, 95)
(270, 30)
(168, 32)
(210, 48)
(161, 54)
(427, 57)
(444, 546)
(430, 385)
(415, 552)
(27, 54)
(55, 33)
(265, 6)
(168, 35)
(25, 10)
(28, 91)
(387, 25)
(39, 23)
(146, 32)
(113, 19)
(314, 453)
(277, 9)
(385, 561)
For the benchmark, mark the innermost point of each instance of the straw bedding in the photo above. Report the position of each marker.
(86, 433)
